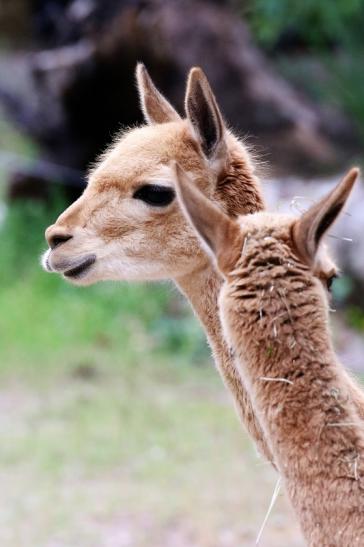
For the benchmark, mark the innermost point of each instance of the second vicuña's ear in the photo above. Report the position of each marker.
(204, 115)
(314, 223)
(220, 235)
(156, 108)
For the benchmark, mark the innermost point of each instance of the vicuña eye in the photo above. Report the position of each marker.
(156, 195)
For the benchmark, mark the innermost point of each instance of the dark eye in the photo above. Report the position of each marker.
(330, 280)
(153, 194)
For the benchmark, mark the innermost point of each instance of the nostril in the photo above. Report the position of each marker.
(56, 240)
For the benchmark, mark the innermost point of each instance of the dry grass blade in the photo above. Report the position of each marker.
(271, 505)
(284, 380)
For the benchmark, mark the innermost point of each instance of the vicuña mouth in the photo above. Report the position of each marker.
(81, 269)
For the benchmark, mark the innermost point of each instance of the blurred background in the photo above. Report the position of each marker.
(115, 428)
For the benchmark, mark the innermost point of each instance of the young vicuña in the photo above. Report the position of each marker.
(274, 312)
(127, 225)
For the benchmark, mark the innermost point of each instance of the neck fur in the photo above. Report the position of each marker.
(304, 400)
(202, 289)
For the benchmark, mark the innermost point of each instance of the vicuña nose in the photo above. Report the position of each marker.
(56, 237)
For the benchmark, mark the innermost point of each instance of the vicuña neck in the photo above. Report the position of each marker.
(202, 289)
(305, 404)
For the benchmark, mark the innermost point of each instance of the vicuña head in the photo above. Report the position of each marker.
(261, 253)
(127, 225)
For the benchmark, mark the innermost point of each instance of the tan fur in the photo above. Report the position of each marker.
(155, 107)
(133, 241)
(274, 311)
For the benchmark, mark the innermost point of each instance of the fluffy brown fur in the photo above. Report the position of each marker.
(274, 311)
(126, 239)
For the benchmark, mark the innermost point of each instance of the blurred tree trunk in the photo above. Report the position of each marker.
(81, 79)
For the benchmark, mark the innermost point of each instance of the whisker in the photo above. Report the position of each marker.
(341, 238)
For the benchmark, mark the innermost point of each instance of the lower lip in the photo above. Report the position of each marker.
(80, 271)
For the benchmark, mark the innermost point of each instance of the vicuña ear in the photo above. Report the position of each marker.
(220, 235)
(204, 115)
(313, 224)
(156, 108)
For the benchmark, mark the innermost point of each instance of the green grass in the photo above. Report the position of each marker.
(355, 318)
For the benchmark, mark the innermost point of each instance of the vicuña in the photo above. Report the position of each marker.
(274, 312)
